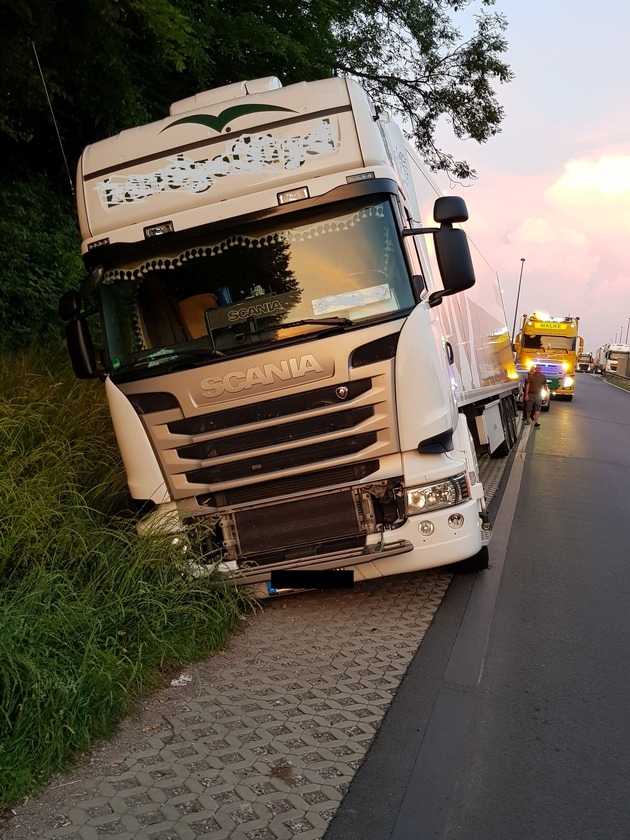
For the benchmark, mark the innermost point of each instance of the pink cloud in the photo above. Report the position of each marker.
(572, 227)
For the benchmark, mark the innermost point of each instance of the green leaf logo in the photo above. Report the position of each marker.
(219, 122)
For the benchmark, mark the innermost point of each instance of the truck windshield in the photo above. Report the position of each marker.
(548, 342)
(229, 293)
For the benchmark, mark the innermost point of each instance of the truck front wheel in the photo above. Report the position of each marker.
(477, 563)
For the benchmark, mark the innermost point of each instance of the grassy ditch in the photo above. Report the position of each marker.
(89, 613)
(620, 381)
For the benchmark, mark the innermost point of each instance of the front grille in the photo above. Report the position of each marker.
(305, 524)
(290, 485)
(270, 409)
(282, 460)
(267, 558)
(275, 435)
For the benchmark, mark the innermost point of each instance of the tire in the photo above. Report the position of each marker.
(546, 407)
(477, 563)
(509, 430)
(569, 397)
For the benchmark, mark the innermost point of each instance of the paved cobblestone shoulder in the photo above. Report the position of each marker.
(261, 741)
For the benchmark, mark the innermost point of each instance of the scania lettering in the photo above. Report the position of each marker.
(293, 350)
(241, 381)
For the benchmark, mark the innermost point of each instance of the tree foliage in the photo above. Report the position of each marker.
(112, 64)
(39, 259)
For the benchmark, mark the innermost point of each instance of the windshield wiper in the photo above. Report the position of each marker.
(333, 321)
(167, 356)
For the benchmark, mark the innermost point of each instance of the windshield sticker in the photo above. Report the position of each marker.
(249, 153)
(351, 300)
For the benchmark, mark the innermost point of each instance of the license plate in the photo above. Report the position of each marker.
(310, 579)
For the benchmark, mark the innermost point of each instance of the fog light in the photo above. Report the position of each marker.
(456, 520)
(426, 528)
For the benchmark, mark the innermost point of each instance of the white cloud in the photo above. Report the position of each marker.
(539, 230)
(604, 180)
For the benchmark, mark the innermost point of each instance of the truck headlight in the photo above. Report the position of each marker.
(544, 393)
(442, 494)
(567, 381)
(565, 366)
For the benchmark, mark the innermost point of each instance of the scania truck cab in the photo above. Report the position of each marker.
(585, 363)
(290, 353)
(548, 339)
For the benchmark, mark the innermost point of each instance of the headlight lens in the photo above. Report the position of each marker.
(568, 381)
(442, 494)
(565, 366)
(544, 393)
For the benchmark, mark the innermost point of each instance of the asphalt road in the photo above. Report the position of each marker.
(513, 721)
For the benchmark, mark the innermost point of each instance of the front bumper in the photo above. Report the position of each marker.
(398, 551)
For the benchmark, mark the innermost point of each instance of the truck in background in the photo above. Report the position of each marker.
(289, 352)
(585, 363)
(613, 358)
(544, 339)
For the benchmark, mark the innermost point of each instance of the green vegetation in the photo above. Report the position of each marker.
(89, 613)
(39, 259)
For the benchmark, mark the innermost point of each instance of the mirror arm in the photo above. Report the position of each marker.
(419, 231)
(435, 298)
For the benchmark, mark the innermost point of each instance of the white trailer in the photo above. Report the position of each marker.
(613, 358)
(291, 349)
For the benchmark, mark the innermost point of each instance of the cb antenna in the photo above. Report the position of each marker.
(52, 114)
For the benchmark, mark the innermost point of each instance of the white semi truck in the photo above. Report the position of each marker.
(613, 358)
(289, 351)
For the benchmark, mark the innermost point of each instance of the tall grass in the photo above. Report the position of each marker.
(89, 612)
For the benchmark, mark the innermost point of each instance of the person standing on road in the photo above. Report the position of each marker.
(534, 384)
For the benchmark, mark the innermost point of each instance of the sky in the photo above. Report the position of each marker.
(554, 185)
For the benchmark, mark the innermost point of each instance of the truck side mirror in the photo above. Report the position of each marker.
(451, 247)
(69, 306)
(454, 261)
(448, 209)
(78, 338)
